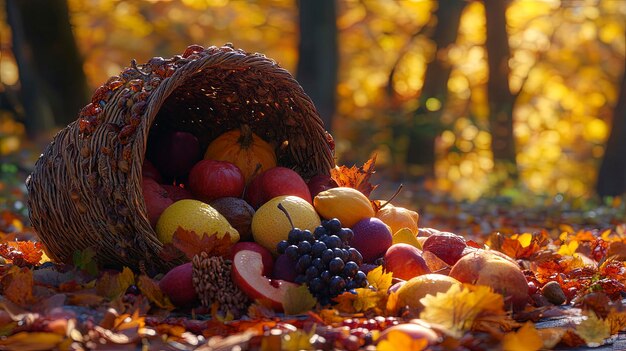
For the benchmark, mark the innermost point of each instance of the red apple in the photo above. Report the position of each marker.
(173, 153)
(149, 171)
(284, 268)
(210, 179)
(319, 183)
(156, 199)
(372, 238)
(405, 261)
(447, 246)
(177, 284)
(248, 268)
(268, 261)
(176, 192)
(275, 182)
(483, 267)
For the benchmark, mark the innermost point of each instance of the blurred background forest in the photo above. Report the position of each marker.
(473, 98)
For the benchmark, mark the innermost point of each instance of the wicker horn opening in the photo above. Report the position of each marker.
(85, 190)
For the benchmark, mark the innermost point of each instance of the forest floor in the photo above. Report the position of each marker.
(61, 294)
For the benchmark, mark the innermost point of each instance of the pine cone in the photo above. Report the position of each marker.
(213, 284)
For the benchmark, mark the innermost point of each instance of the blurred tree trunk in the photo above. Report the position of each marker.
(51, 69)
(501, 100)
(36, 108)
(426, 124)
(318, 55)
(612, 173)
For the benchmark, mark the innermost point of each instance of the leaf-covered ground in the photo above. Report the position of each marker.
(578, 244)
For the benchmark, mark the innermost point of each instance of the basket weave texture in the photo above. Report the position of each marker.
(85, 190)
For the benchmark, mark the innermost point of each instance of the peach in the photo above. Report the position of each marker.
(405, 261)
(447, 246)
(483, 267)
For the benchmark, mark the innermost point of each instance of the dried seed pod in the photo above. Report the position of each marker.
(213, 284)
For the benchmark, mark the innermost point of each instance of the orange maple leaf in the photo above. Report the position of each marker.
(522, 246)
(355, 177)
(22, 253)
(190, 244)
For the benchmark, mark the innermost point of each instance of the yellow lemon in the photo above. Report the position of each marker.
(270, 225)
(196, 216)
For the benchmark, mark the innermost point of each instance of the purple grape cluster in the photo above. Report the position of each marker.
(324, 260)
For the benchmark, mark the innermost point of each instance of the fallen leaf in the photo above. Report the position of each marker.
(379, 280)
(361, 300)
(521, 246)
(525, 339)
(298, 340)
(355, 177)
(151, 290)
(551, 336)
(458, 308)
(298, 300)
(568, 249)
(114, 284)
(617, 321)
(398, 340)
(593, 330)
(392, 304)
(84, 260)
(22, 253)
(18, 285)
(31, 341)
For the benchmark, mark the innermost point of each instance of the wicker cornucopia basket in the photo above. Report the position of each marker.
(85, 190)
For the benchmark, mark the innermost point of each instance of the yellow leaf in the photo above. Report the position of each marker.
(406, 236)
(152, 291)
(298, 340)
(551, 336)
(525, 339)
(298, 300)
(593, 330)
(457, 308)
(114, 285)
(366, 299)
(31, 341)
(397, 340)
(379, 280)
(330, 316)
(525, 239)
(568, 249)
(361, 300)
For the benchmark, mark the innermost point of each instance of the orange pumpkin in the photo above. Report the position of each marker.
(245, 149)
